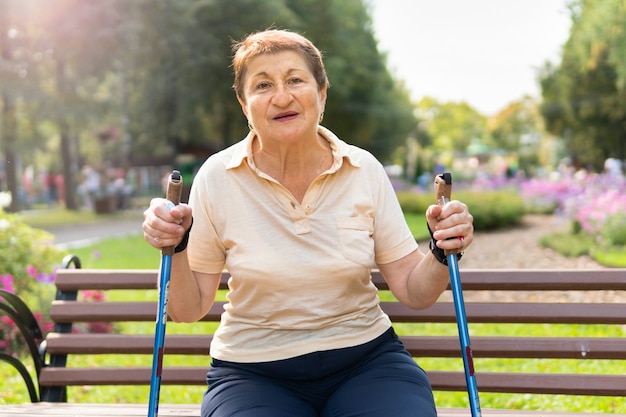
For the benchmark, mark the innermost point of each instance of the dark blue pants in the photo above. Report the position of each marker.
(377, 379)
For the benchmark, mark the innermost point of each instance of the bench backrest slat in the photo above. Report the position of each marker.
(441, 312)
(472, 279)
(418, 346)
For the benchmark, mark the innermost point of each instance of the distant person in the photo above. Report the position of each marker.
(613, 167)
(52, 189)
(300, 218)
(91, 185)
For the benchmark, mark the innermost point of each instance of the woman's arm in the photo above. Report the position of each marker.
(417, 280)
(191, 293)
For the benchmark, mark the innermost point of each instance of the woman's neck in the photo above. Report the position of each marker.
(294, 165)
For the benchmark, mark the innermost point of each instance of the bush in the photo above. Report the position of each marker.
(27, 268)
(571, 245)
(491, 209)
(613, 231)
(27, 255)
(415, 202)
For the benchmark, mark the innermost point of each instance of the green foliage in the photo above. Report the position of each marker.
(584, 97)
(613, 231)
(452, 126)
(491, 209)
(567, 244)
(26, 253)
(610, 251)
(414, 203)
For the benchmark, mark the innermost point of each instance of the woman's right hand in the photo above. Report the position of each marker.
(162, 226)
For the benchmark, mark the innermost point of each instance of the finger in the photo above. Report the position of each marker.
(182, 214)
(160, 232)
(453, 207)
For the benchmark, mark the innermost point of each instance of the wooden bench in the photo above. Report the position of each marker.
(68, 310)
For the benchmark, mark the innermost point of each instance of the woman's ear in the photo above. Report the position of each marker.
(323, 96)
(244, 108)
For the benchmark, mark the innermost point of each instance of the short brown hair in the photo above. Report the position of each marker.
(272, 41)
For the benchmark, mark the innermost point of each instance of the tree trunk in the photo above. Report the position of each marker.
(66, 145)
(10, 159)
(8, 123)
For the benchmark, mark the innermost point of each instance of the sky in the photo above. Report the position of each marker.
(484, 52)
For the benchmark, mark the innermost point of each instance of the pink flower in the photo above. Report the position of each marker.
(6, 283)
(31, 270)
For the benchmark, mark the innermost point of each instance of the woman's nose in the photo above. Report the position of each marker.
(282, 96)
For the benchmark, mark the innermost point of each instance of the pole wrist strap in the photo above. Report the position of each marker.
(183, 243)
(438, 253)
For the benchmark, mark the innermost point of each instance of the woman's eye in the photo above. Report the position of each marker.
(295, 80)
(262, 85)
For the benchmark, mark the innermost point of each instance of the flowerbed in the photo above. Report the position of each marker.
(595, 205)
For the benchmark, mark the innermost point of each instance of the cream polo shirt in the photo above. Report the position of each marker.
(300, 273)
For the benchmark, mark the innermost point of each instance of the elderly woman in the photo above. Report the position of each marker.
(299, 218)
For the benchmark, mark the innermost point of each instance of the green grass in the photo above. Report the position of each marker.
(613, 258)
(128, 252)
(134, 252)
(417, 224)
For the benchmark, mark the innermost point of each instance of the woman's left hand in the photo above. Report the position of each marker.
(452, 225)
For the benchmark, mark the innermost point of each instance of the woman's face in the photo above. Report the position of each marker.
(282, 99)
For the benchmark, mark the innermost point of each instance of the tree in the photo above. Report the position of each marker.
(518, 129)
(584, 98)
(452, 126)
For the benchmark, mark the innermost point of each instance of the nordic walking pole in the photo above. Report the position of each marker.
(174, 188)
(443, 192)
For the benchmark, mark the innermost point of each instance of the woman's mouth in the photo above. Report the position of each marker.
(285, 116)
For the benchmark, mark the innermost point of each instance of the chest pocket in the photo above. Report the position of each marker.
(355, 236)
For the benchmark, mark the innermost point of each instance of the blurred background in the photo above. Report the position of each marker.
(99, 100)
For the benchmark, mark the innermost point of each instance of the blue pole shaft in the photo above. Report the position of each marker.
(466, 350)
(172, 195)
(159, 336)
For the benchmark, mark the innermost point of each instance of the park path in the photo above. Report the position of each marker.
(76, 236)
(518, 247)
